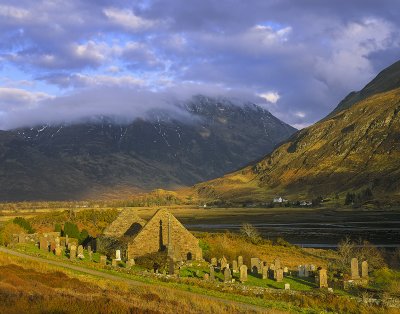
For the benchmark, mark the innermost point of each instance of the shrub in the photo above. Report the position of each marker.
(251, 233)
(71, 230)
(6, 234)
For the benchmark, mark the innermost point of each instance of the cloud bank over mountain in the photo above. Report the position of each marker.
(62, 61)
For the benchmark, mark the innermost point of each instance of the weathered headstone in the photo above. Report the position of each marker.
(66, 241)
(312, 267)
(57, 241)
(130, 263)
(171, 266)
(103, 260)
(234, 266)
(223, 262)
(272, 267)
(322, 278)
(58, 251)
(72, 251)
(287, 286)
(214, 261)
(355, 274)
(301, 271)
(114, 262)
(43, 244)
(206, 277)
(306, 272)
(212, 272)
(118, 255)
(80, 252)
(240, 261)
(243, 273)
(21, 238)
(364, 269)
(277, 263)
(255, 265)
(264, 270)
(90, 255)
(227, 275)
(285, 270)
(279, 275)
(89, 248)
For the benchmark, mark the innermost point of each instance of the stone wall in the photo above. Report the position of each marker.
(154, 238)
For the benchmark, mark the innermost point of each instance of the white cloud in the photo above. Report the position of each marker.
(13, 12)
(128, 19)
(15, 98)
(271, 97)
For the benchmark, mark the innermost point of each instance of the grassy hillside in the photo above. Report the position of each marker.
(355, 148)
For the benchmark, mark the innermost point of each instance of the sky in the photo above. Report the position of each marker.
(61, 61)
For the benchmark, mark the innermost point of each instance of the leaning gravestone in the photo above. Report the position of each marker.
(243, 273)
(103, 260)
(223, 262)
(279, 275)
(264, 272)
(355, 274)
(240, 261)
(227, 275)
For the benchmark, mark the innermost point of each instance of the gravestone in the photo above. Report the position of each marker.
(234, 266)
(223, 262)
(130, 263)
(57, 241)
(287, 286)
(43, 244)
(364, 269)
(300, 271)
(206, 277)
(279, 275)
(21, 238)
(355, 274)
(118, 255)
(285, 270)
(264, 272)
(272, 267)
(322, 278)
(227, 275)
(255, 265)
(89, 248)
(114, 262)
(306, 272)
(72, 251)
(58, 251)
(80, 252)
(243, 273)
(212, 273)
(214, 262)
(312, 267)
(277, 263)
(103, 260)
(240, 261)
(90, 255)
(171, 266)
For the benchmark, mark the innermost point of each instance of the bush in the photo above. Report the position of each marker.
(23, 223)
(251, 233)
(6, 234)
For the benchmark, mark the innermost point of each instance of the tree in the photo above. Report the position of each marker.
(71, 230)
(346, 253)
(23, 223)
(250, 232)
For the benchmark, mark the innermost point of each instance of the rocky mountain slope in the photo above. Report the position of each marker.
(355, 147)
(208, 138)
